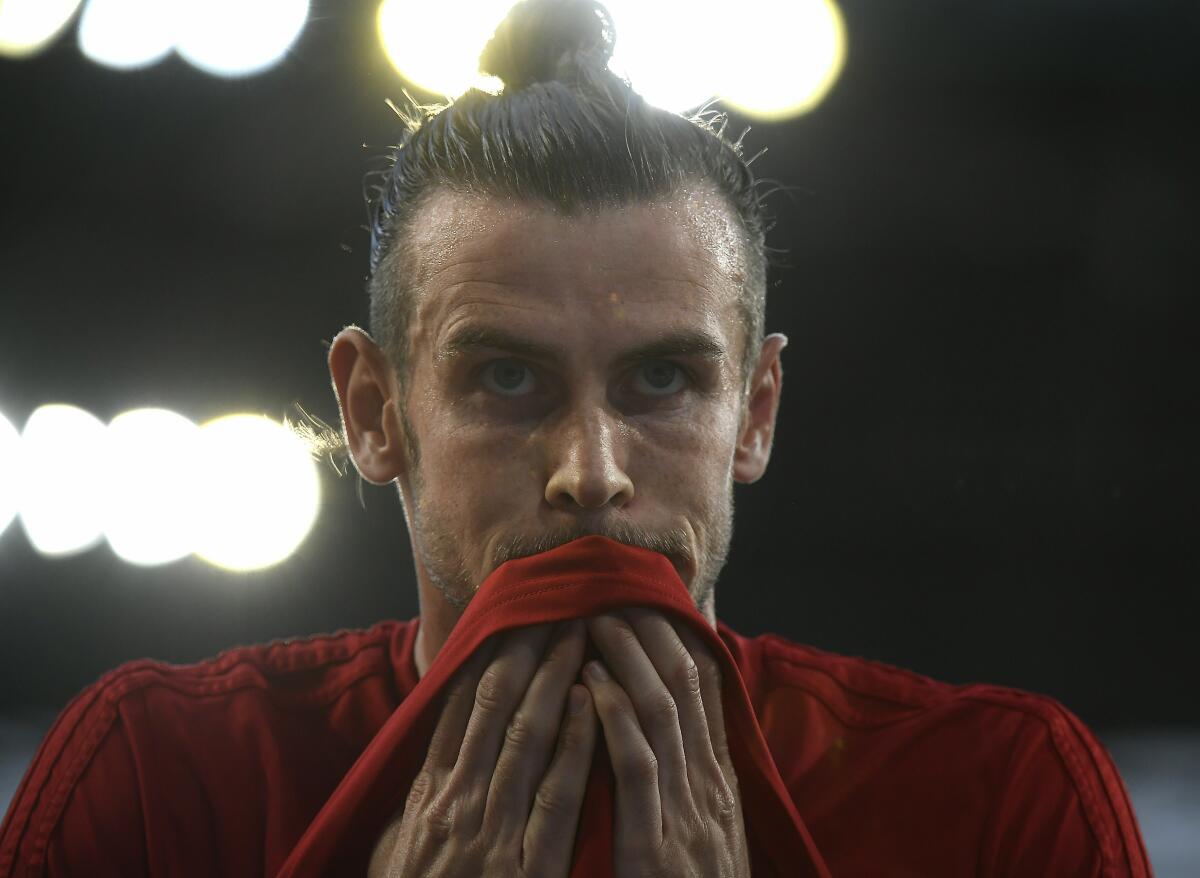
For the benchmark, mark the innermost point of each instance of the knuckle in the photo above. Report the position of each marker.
(722, 804)
(521, 734)
(662, 709)
(552, 801)
(438, 817)
(687, 677)
(492, 694)
(641, 769)
(422, 786)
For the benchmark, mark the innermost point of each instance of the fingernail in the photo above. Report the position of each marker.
(596, 671)
(576, 701)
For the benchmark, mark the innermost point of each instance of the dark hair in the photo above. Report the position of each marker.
(565, 131)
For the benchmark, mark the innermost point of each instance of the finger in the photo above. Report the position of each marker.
(500, 689)
(711, 685)
(638, 802)
(530, 737)
(681, 672)
(652, 702)
(456, 709)
(554, 819)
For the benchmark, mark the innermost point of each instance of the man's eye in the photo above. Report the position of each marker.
(508, 377)
(660, 379)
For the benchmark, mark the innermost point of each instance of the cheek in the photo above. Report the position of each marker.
(476, 472)
(690, 459)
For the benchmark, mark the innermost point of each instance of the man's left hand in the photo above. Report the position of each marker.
(678, 811)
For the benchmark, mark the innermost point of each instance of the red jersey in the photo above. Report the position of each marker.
(288, 759)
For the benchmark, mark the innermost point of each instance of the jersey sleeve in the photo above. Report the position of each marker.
(1064, 810)
(78, 809)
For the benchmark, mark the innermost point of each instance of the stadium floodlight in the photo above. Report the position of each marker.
(436, 46)
(10, 460)
(61, 484)
(259, 492)
(781, 59)
(26, 26)
(151, 490)
(127, 34)
(656, 46)
(237, 37)
(661, 50)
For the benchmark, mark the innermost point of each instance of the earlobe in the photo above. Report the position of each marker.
(367, 389)
(757, 429)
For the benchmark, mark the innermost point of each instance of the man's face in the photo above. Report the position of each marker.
(572, 376)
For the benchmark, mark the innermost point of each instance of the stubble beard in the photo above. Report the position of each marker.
(440, 549)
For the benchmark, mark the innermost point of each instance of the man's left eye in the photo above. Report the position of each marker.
(660, 379)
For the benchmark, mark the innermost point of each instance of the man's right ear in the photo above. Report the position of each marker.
(368, 397)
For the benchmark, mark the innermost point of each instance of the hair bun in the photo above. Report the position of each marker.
(534, 39)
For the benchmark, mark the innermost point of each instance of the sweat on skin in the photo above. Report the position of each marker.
(561, 434)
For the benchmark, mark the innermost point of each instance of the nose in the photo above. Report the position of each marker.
(586, 457)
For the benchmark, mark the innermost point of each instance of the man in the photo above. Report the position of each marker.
(568, 365)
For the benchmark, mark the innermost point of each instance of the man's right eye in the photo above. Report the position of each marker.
(508, 378)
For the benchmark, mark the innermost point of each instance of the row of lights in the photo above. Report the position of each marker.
(222, 37)
(241, 491)
(768, 59)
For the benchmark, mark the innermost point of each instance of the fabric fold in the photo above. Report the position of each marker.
(582, 578)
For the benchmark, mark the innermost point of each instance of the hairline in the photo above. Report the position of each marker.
(400, 257)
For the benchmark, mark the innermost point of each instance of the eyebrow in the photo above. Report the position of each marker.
(681, 343)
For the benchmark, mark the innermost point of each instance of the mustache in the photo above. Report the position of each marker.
(669, 542)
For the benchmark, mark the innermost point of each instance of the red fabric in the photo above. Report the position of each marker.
(235, 765)
(581, 578)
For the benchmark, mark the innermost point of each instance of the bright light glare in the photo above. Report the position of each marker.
(150, 486)
(10, 459)
(780, 59)
(127, 34)
(61, 487)
(436, 46)
(237, 37)
(259, 492)
(662, 50)
(28, 25)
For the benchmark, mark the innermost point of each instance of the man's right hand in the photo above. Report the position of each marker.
(503, 781)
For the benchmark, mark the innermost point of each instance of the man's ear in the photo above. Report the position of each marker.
(758, 421)
(368, 397)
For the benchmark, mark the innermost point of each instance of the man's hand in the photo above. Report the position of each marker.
(503, 780)
(678, 811)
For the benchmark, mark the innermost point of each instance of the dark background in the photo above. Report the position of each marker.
(985, 466)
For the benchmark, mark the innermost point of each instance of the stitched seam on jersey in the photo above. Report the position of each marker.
(1100, 799)
(1117, 800)
(141, 682)
(861, 719)
(301, 659)
(1053, 720)
(93, 727)
(778, 642)
(813, 665)
(96, 717)
(51, 761)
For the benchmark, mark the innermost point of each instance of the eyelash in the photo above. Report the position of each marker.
(682, 371)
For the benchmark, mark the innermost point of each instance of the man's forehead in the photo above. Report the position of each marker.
(692, 238)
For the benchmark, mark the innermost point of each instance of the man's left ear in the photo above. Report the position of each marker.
(757, 429)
